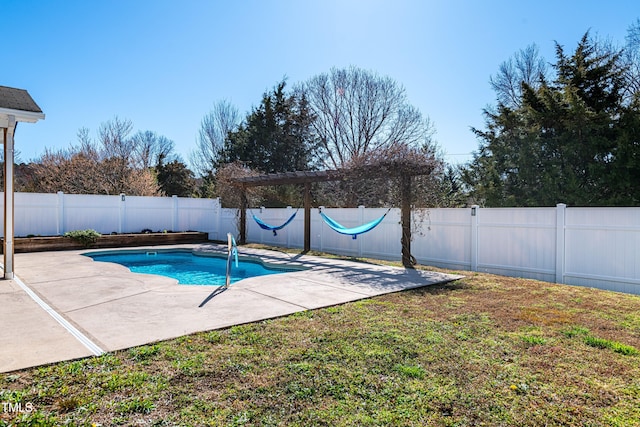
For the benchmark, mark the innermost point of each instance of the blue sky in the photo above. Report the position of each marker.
(163, 64)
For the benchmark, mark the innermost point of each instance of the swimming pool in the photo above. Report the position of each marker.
(188, 268)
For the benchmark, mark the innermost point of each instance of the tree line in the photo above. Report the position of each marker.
(561, 132)
(334, 120)
(564, 133)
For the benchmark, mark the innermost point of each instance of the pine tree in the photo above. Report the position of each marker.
(276, 135)
(564, 140)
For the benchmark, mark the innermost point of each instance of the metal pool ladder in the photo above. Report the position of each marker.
(232, 252)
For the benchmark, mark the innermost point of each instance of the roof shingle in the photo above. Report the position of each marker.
(17, 99)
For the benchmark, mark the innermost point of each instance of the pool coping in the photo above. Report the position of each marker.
(116, 309)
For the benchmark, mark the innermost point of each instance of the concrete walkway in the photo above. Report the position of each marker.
(88, 307)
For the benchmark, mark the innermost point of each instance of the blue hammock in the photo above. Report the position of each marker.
(355, 230)
(273, 228)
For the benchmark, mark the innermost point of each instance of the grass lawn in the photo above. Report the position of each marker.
(485, 350)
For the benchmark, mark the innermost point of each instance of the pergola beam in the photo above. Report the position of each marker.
(286, 178)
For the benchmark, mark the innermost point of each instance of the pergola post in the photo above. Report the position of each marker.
(307, 216)
(8, 133)
(405, 215)
(243, 216)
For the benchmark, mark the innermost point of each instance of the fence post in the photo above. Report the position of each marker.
(561, 210)
(475, 210)
(262, 212)
(122, 213)
(218, 212)
(174, 213)
(60, 225)
(288, 231)
(321, 230)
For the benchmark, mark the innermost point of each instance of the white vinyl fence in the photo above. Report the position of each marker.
(40, 214)
(597, 247)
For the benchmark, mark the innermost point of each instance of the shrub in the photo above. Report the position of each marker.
(84, 237)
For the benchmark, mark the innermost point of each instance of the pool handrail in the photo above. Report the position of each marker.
(232, 251)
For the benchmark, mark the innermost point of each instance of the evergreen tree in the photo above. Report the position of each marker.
(564, 140)
(174, 178)
(275, 136)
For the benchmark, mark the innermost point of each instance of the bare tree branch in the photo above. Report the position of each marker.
(527, 67)
(149, 148)
(632, 56)
(358, 111)
(214, 128)
(113, 137)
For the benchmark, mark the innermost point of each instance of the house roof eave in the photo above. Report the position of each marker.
(20, 115)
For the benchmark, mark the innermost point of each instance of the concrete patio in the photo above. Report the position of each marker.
(90, 307)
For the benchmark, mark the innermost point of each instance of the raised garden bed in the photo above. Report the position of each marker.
(60, 243)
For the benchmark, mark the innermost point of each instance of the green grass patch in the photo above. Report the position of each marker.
(575, 331)
(612, 345)
(533, 339)
(144, 353)
(593, 341)
(411, 371)
(134, 405)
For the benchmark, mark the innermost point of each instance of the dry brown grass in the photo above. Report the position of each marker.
(485, 350)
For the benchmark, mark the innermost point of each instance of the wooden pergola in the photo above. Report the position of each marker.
(16, 105)
(306, 178)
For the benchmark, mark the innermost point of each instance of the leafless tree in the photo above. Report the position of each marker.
(79, 171)
(214, 128)
(85, 143)
(526, 66)
(94, 168)
(116, 149)
(358, 111)
(114, 141)
(632, 56)
(149, 147)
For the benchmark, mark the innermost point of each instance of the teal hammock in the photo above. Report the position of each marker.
(353, 232)
(273, 228)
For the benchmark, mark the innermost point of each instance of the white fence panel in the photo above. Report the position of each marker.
(331, 241)
(35, 214)
(295, 236)
(291, 236)
(148, 213)
(41, 214)
(195, 214)
(382, 242)
(84, 211)
(227, 222)
(603, 248)
(443, 239)
(518, 241)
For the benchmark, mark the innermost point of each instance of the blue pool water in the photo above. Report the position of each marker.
(187, 268)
